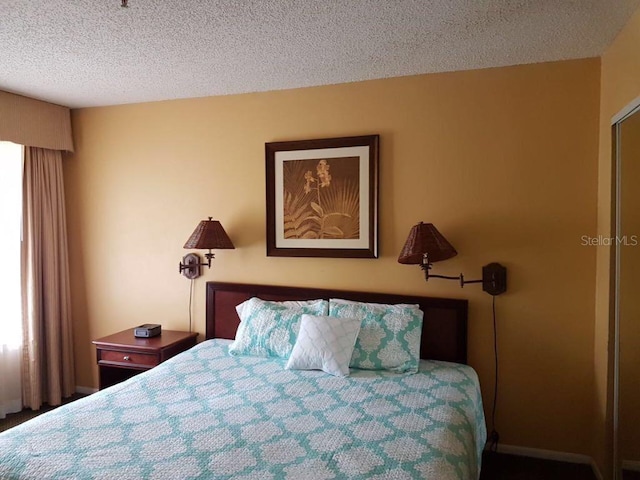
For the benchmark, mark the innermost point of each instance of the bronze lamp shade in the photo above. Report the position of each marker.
(426, 245)
(425, 242)
(208, 235)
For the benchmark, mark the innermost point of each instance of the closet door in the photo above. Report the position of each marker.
(628, 238)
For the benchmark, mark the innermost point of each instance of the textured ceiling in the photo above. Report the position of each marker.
(83, 53)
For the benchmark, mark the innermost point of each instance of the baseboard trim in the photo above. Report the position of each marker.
(85, 390)
(631, 465)
(551, 455)
(544, 454)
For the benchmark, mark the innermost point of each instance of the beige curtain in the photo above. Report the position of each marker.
(48, 370)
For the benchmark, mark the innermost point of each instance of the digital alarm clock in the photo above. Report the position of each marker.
(147, 330)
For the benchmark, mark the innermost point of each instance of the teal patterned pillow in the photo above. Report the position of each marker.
(389, 337)
(286, 303)
(270, 329)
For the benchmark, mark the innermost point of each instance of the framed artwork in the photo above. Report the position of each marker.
(322, 197)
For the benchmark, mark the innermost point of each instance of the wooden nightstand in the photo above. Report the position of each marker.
(121, 355)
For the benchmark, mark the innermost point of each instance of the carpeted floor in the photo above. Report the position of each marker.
(14, 419)
(500, 466)
(630, 475)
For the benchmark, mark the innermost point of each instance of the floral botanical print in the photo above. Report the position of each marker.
(321, 198)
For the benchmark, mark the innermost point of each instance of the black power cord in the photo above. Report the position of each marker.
(494, 437)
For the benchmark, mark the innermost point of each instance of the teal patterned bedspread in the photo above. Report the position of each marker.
(204, 414)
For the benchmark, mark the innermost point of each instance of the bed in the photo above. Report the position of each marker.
(206, 414)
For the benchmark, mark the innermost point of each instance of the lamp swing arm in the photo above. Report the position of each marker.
(209, 256)
(427, 266)
(494, 276)
(460, 277)
(208, 235)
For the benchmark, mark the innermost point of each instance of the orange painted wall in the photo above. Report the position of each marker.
(503, 161)
(620, 85)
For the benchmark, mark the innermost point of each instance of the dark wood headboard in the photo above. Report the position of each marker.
(444, 331)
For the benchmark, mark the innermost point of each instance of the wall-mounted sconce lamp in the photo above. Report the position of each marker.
(208, 235)
(426, 245)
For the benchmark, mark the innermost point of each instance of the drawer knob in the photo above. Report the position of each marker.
(127, 358)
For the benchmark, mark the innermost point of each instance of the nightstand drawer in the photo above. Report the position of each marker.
(126, 358)
(122, 355)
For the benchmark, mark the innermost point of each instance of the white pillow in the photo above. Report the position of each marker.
(324, 343)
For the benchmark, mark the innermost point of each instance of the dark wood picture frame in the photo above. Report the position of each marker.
(322, 197)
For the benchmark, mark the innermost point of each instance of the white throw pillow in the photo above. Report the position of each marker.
(324, 343)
